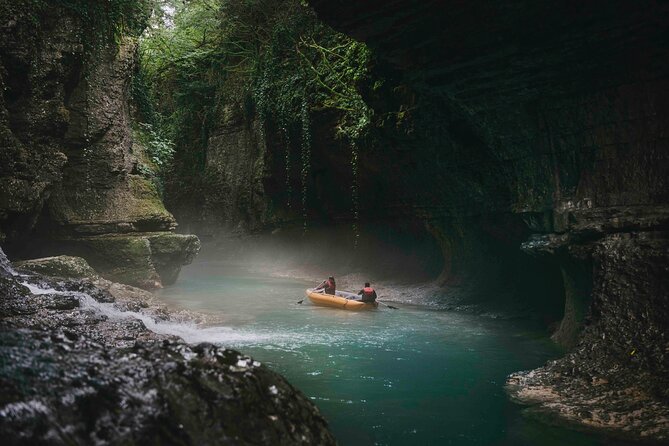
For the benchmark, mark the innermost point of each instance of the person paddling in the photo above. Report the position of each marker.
(368, 293)
(328, 286)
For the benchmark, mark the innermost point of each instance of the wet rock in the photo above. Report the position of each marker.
(150, 393)
(78, 370)
(6, 269)
(169, 252)
(60, 266)
(617, 375)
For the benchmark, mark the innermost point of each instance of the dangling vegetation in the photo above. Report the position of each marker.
(306, 160)
(106, 20)
(273, 58)
(355, 199)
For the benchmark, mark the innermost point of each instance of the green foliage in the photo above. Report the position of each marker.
(208, 53)
(337, 66)
(180, 60)
(107, 20)
(271, 57)
(158, 148)
(156, 155)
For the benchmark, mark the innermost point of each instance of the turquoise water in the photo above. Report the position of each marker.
(412, 376)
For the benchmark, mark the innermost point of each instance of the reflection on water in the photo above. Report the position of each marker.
(398, 377)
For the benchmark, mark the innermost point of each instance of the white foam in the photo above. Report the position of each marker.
(5, 264)
(191, 333)
(36, 290)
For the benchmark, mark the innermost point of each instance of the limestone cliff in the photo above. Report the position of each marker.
(68, 171)
(230, 194)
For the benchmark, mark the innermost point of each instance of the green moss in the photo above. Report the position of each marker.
(140, 259)
(121, 258)
(147, 201)
(170, 251)
(60, 266)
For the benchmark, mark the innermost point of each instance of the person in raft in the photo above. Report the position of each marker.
(368, 293)
(327, 286)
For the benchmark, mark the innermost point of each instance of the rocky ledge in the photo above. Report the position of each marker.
(617, 375)
(147, 260)
(79, 366)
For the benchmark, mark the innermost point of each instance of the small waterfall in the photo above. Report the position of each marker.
(6, 269)
(189, 332)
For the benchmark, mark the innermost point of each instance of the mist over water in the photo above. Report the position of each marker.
(417, 375)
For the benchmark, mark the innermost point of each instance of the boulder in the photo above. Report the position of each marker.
(147, 260)
(59, 266)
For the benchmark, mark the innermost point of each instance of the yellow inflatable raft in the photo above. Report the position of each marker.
(339, 300)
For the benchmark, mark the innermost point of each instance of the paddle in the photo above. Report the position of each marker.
(300, 301)
(389, 306)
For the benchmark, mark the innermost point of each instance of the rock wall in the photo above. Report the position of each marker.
(553, 115)
(231, 195)
(69, 174)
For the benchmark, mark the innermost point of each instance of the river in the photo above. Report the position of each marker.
(416, 375)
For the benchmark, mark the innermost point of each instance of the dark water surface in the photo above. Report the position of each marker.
(411, 376)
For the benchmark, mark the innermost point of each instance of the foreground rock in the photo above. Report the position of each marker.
(76, 368)
(60, 266)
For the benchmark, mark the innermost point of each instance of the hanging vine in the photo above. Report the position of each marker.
(86, 155)
(275, 56)
(260, 96)
(355, 202)
(289, 186)
(306, 158)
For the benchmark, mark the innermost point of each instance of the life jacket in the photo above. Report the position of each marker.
(330, 286)
(368, 294)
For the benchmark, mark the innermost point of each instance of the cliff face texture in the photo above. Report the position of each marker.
(231, 194)
(68, 171)
(552, 116)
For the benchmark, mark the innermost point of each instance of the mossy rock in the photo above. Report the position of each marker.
(121, 258)
(59, 266)
(169, 252)
(146, 260)
(133, 204)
